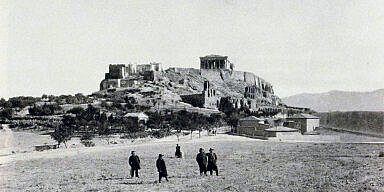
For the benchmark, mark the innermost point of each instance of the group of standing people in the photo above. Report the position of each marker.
(134, 162)
(206, 162)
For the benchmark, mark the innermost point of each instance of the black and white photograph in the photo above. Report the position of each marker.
(191, 95)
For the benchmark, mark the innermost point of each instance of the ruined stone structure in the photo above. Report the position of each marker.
(215, 62)
(211, 101)
(259, 88)
(252, 92)
(206, 99)
(126, 75)
(142, 68)
(204, 87)
(119, 71)
(257, 94)
(109, 83)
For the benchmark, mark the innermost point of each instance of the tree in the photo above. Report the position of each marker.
(104, 104)
(80, 98)
(4, 103)
(46, 109)
(215, 119)
(91, 112)
(62, 134)
(76, 110)
(6, 113)
(233, 120)
(194, 122)
(103, 127)
(69, 121)
(226, 106)
(198, 122)
(116, 105)
(51, 98)
(22, 101)
(154, 120)
(44, 96)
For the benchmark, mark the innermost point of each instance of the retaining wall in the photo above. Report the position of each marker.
(356, 121)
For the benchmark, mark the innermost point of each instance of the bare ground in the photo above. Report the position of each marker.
(245, 165)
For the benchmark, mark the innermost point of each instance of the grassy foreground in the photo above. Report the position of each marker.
(244, 165)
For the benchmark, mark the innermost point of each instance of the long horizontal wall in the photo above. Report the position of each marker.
(355, 121)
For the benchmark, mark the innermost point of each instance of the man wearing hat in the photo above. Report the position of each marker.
(201, 159)
(161, 168)
(134, 162)
(212, 158)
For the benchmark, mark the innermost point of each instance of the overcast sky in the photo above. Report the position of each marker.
(64, 47)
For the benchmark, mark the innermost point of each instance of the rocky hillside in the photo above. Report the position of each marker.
(339, 101)
(165, 91)
(189, 81)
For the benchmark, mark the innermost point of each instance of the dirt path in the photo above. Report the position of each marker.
(6, 136)
(6, 140)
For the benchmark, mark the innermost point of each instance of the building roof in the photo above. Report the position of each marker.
(281, 129)
(303, 116)
(214, 56)
(251, 118)
(140, 115)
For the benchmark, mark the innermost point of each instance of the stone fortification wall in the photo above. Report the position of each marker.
(188, 77)
(211, 74)
(237, 75)
(232, 83)
(109, 83)
(183, 70)
(250, 78)
(228, 75)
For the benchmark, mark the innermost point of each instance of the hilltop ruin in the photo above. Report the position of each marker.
(205, 87)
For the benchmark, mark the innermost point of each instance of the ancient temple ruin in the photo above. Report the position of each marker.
(119, 71)
(215, 62)
(142, 68)
(205, 87)
(128, 75)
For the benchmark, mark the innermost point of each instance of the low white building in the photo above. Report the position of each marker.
(141, 117)
(304, 122)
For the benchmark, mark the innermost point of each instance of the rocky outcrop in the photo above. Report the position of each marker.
(189, 81)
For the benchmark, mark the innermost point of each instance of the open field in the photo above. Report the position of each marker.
(245, 165)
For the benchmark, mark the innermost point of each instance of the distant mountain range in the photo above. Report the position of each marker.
(339, 101)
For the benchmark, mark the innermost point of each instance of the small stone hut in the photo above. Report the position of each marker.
(252, 126)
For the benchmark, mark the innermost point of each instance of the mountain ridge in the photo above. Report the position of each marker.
(338, 100)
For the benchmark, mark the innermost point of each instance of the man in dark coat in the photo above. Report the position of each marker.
(161, 168)
(134, 162)
(201, 159)
(212, 158)
(178, 151)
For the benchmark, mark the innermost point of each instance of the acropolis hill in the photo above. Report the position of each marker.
(205, 87)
